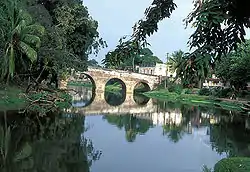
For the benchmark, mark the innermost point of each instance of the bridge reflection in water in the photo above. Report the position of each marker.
(87, 102)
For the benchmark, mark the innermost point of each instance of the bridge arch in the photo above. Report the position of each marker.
(142, 86)
(90, 78)
(115, 91)
(83, 95)
(140, 99)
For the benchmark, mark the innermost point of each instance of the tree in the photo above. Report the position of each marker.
(234, 68)
(22, 38)
(79, 31)
(191, 69)
(93, 63)
(70, 36)
(144, 58)
(175, 60)
(220, 25)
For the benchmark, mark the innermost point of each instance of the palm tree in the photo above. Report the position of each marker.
(191, 68)
(175, 60)
(23, 38)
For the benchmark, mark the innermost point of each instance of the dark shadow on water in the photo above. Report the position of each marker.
(50, 143)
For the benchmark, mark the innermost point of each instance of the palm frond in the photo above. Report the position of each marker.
(29, 51)
(32, 39)
(18, 28)
(34, 29)
(25, 16)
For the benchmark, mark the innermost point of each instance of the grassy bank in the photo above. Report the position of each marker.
(194, 99)
(116, 87)
(80, 84)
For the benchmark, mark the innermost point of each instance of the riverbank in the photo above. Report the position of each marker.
(15, 98)
(197, 100)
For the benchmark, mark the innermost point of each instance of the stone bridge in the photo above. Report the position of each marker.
(100, 76)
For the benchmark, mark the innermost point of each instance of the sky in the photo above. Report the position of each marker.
(117, 17)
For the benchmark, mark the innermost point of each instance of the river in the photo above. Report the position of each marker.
(109, 132)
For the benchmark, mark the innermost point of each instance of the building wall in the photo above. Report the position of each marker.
(213, 82)
(159, 70)
(170, 73)
(147, 70)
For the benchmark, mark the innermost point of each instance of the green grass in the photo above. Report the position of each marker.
(116, 87)
(194, 99)
(81, 84)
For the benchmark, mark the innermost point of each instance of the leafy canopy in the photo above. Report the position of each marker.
(220, 25)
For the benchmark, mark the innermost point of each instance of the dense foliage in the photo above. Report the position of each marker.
(144, 58)
(46, 37)
(220, 25)
(190, 69)
(234, 68)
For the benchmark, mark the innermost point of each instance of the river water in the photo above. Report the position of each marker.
(101, 133)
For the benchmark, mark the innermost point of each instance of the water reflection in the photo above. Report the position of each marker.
(138, 135)
(132, 125)
(53, 143)
(214, 127)
(82, 96)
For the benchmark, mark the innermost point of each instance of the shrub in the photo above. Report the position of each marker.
(225, 93)
(205, 92)
(188, 91)
(177, 88)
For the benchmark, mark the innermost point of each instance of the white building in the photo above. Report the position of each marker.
(159, 69)
(170, 72)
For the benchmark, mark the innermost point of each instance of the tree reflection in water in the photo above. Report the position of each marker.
(52, 144)
(230, 135)
(131, 124)
(173, 132)
(226, 132)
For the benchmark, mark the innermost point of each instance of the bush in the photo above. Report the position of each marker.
(234, 164)
(221, 92)
(225, 93)
(188, 91)
(205, 92)
(177, 88)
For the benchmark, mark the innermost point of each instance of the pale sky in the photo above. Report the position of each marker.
(117, 17)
